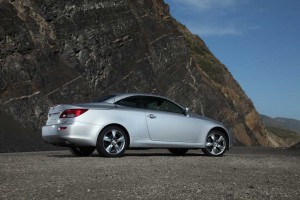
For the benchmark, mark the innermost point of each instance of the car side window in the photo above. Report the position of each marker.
(160, 104)
(130, 102)
(171, 107)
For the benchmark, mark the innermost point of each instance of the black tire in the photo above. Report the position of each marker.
(178, 152)
(216, 143)
(82, 151)
(112, 142)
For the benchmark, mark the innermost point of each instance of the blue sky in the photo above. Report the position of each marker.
(258, 41)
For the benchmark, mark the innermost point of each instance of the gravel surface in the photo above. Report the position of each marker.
(243, 173)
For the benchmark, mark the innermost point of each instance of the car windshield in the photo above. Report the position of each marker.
(104, 98)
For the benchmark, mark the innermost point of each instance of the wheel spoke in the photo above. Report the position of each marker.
(221, 148)
(214, 150)
(114, 132)
(108, 149)
(120, 139)
(212, 136)
(118, 149)
(209, 144)
(106, 139)
(221, 139)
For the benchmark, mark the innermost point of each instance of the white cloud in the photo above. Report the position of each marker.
(213, 17)
(216, 31)
(220, 30)
(205, 5)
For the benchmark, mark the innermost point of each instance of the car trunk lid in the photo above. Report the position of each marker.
(54, 113)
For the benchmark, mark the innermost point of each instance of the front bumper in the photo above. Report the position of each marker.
(75, 134)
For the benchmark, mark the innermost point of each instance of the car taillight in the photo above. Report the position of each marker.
(71, 113)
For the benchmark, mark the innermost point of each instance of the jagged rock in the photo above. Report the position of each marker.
(59, 51)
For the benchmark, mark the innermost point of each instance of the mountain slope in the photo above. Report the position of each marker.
(59, 51)
(281, 122)
(283, 137)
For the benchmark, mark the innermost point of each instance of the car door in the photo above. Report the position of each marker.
(132, 115)
(167, 122)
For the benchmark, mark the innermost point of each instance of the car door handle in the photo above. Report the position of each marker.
(152, 116)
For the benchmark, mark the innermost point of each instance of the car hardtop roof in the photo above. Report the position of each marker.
(118, 96)
(124, 95)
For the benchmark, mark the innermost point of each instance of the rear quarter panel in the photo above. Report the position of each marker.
(133, 120)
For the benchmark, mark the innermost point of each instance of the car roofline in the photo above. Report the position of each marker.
(124, 95)
(119, 96)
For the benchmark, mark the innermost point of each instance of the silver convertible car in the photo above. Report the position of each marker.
(127, 121)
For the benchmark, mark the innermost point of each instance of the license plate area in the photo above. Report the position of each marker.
(53, 118)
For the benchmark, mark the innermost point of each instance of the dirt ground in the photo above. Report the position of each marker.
(242, 173)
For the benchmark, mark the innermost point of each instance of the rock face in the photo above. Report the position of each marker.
(65, 51)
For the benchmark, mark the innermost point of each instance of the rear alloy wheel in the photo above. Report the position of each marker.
(82, 151)
(215, 144)
(112, 142)
(178, 152)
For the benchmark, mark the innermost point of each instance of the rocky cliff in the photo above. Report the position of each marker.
(65, 51)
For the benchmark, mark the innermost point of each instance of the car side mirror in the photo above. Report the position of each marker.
(187, 111)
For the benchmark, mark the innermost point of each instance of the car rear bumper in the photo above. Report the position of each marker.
(75, 134)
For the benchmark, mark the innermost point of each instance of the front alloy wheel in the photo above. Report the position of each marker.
(112, 142)
(215, 144)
